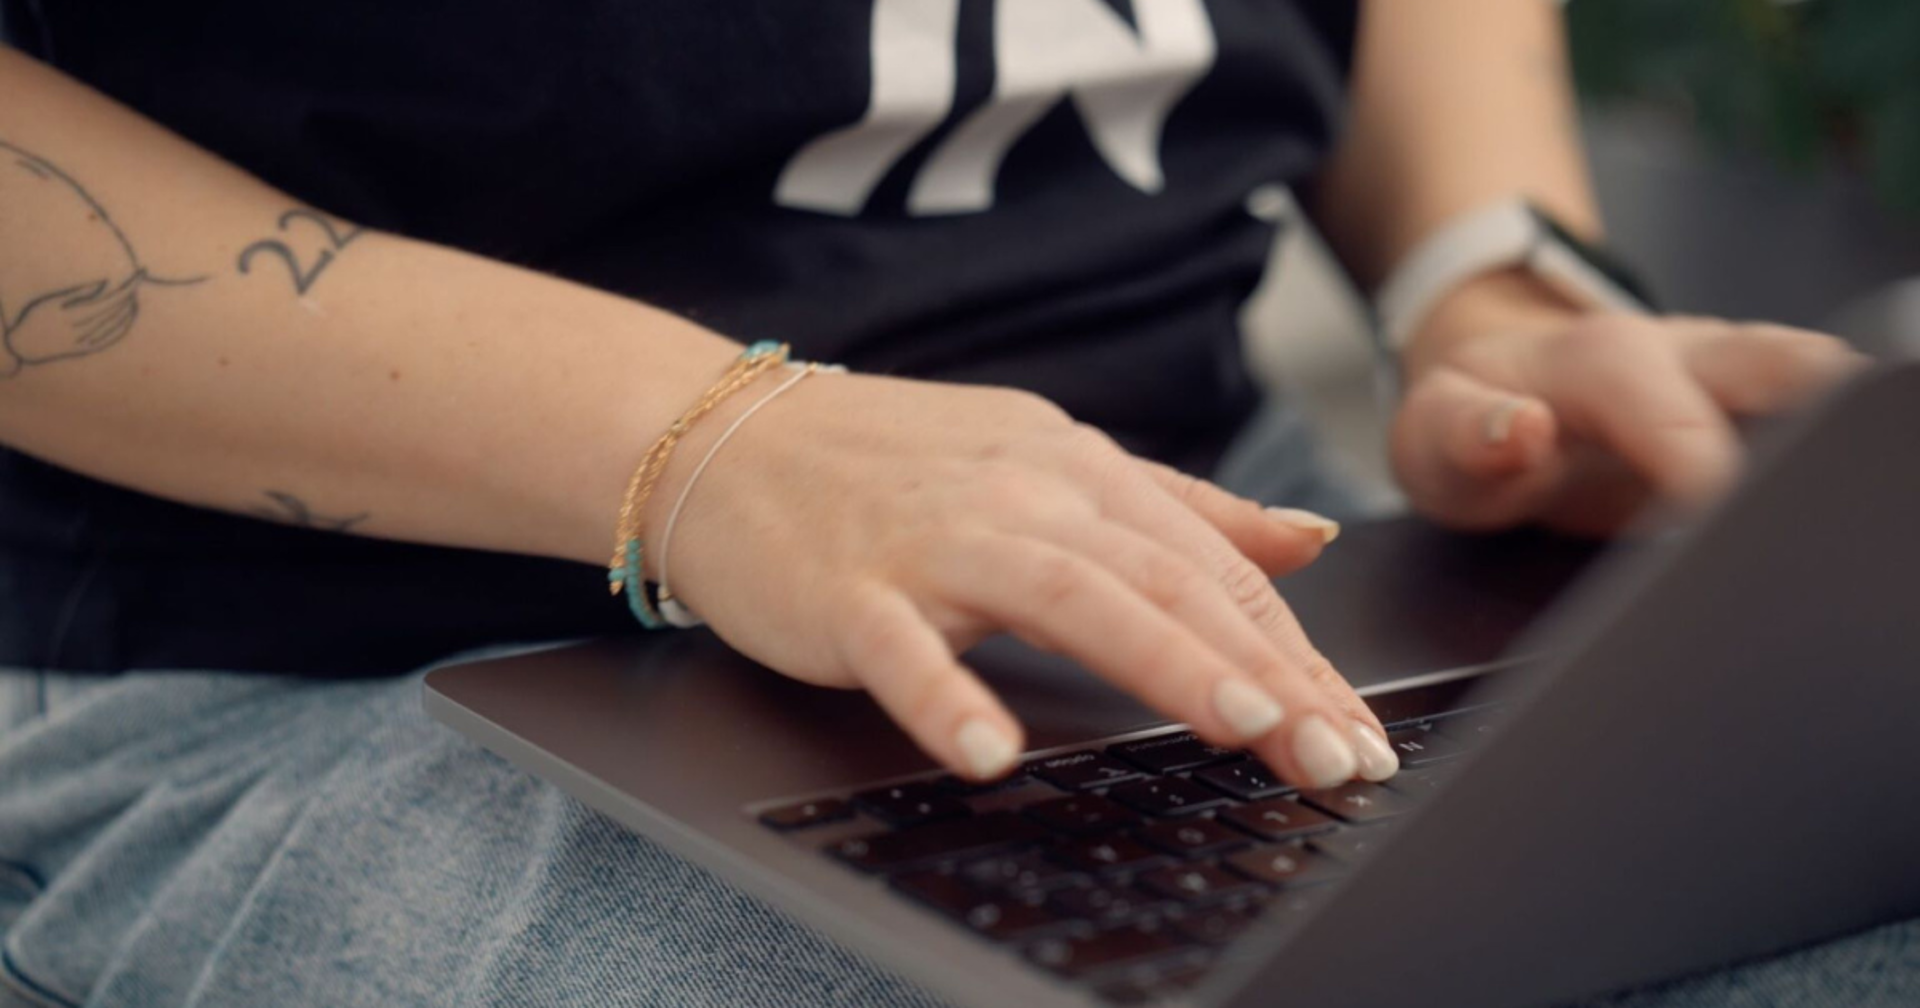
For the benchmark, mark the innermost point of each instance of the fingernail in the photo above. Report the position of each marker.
(1378, 761)
(988, 750)
(1306, 521)
(1248, 711)
(1499, 425)
(1325, 758)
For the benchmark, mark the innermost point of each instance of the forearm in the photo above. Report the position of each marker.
(176, 326)
(1453, 105)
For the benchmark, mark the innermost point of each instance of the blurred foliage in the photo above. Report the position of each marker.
(1812, 83)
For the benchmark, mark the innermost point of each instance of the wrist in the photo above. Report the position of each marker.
(1492, 304)
(685, 459)
(631, 405)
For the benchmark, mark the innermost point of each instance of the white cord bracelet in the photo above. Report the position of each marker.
(670, 608)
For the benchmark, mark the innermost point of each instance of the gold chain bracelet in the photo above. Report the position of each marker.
(624, 570)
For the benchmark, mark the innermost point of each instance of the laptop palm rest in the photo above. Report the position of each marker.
(686, 725)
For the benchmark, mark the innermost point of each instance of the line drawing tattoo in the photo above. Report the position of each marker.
(79, 302)
(303, 276)
(290, 510)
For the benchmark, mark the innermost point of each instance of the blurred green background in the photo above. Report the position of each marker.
(1813, 84)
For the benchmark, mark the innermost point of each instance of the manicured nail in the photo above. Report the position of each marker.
(1325, 758)
(1306, 521)
(988, 750)
(1377, 759)
(1499, 425)
(1247, 710)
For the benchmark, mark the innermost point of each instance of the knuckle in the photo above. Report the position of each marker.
(1321, 672)
(1614, 345)
(1028, 500)
(1091, 454)
(1028, 406)
(1166, 580)
(1088, 438)
(1249, 589)
(1000, 486)
(869, 633)
(1056, 579)
(1183, 485)
(1168, 654)
(1592, 333)
(931, 702)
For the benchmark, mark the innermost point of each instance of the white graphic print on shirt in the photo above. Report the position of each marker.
(1123, 82)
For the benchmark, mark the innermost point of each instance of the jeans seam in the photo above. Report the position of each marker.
(27, 872)
(20, 983)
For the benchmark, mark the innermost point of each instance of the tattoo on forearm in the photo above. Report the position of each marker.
(317, 234)
(290, 510)
(82, 294)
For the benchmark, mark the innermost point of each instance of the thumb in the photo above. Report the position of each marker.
(1472, 455)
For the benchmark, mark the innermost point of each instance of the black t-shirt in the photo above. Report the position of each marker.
(1049, 194)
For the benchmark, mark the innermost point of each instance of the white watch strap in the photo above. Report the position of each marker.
(1499, 236)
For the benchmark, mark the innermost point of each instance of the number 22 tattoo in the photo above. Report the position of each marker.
(332, 240)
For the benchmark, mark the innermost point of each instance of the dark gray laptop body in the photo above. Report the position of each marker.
(1717, 758)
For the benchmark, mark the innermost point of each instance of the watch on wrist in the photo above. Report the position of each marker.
(1510, 234)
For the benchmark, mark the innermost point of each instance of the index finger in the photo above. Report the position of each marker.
(1283, 660)
(1636, 395)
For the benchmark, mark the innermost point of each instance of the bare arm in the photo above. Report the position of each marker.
(176, 326)
(1454, 104)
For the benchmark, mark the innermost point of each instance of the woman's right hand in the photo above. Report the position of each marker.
(863, 531)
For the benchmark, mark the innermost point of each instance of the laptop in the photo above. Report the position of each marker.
(1705, 751)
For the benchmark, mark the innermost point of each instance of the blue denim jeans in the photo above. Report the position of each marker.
(234, 841)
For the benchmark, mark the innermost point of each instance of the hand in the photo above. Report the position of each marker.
(1519, 409)
(864, 531)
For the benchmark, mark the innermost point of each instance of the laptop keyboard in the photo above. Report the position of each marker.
(1127, 866)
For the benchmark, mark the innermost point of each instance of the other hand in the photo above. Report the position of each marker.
(1518, 409)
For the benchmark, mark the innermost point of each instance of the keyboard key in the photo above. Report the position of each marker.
(1284, 865)
(1116, 853)
(1278, 819)
(1166, 754)
(1005, 918)
(966, 788)
(1191, 838)
(911, 804)
(1082, 815)
(1249, 780)
(1350, 846)
(951, 840)
(1106, 905)
(1214, 925)
(1166, 796)
(1077, 956)
(999, 916)
(1420, 784)
(1470, 729)
(1199, 883)
(1018, 796)
(1019, 872)
(1418, 747)
(808, 813)
(1082, 770)
(1359, 802)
